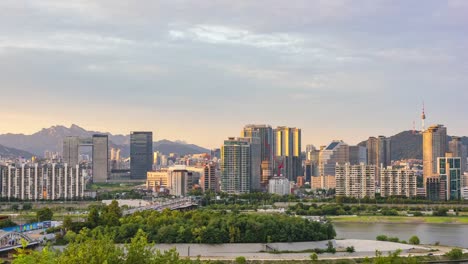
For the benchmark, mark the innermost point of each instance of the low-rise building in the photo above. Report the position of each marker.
(279, 185)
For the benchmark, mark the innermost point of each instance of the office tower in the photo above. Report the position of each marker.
(255, 163)
(288, 151)
(397, 182)
(356, 181)
(265, 133)
(141, 154)
(357, 155)
(379, 151)
(279, 186)
(458, 149)
(71, 151)
(236, 166)
(434, 146)
(216, 153)
(336, 152)
(42, 182)
(449, 172)
(312, 162)
(208, 181)
(100, 158)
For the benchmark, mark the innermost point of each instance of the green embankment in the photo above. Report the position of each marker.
(401, 219)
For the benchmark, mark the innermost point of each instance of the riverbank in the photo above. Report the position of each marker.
(459, 220)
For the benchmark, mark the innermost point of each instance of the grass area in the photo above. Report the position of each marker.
(401, 219)
(113, 186)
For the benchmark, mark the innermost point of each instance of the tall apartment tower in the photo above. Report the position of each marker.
(71, 151)
(458, 149)
(236, 164)
(100, 158)
(208, 180)
(379, 151)
(288, 151)
(434, 146)
(141, 154)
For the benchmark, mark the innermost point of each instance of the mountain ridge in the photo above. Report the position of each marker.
(51, 139)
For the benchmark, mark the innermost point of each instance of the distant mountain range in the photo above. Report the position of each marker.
(407, 145)
(51, 139)
(14, 153)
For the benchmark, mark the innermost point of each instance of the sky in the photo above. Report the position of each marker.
(200, 70)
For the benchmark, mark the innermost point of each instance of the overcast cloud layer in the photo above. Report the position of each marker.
(200, 70)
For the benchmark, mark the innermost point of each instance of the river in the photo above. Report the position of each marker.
(445, 234)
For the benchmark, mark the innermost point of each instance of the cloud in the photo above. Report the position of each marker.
(216, 34)
(66, 42)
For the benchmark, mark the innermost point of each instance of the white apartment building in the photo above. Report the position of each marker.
(279, 185)
(397, 182)
(356, 181)
(42, 182)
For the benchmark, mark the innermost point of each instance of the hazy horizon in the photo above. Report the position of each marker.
(198, 71)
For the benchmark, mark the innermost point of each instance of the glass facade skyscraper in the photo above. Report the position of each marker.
(141, 154)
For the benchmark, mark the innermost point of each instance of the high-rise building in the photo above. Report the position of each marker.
(236, 166)
(434, 146)
(288, 151)
(397, 182)
(336, 152)
(71, 151)
(208, 180)
(100, 158)
(324, 182)
(357, 155)
(379, 151)
(141, 154)
(458, 149)
(449, 172)
(265, 134)
(356, 181)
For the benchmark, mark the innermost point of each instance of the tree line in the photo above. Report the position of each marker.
(200, 226)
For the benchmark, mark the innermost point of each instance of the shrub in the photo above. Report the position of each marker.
(414, 240)
(393, 239)
(382, 238)
(350, 249)
(455, 254)
(241, 260)
(314, 257)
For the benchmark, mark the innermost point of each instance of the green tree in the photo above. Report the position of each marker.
(455, 254)
(29, 256)
(414, 240)
(93, 217)
(240, 260)
(139, 251)
(44, 214)
(67, 223)
(350, 249)
(313, 257)
(112, 214)
(90, 249)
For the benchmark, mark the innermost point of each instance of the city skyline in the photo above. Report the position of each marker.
(332, 68)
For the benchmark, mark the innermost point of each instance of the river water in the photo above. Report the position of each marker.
(446, 234)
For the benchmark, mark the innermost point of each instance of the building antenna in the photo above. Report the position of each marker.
(423, 118)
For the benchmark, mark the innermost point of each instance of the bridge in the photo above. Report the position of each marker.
(12, 240)
(174, 204)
